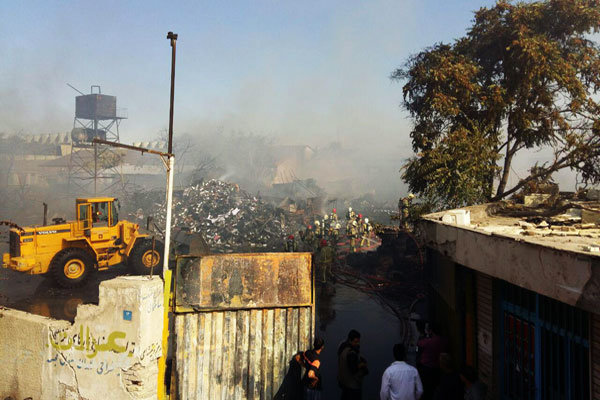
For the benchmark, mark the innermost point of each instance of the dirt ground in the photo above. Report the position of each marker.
(40, 295)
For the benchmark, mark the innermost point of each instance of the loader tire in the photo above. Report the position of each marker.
(71, 267)
(142, 258)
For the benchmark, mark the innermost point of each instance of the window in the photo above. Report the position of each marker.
(114, 213)
(100, 214)
(83, 215)
(545, 347)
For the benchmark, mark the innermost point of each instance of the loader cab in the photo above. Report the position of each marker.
(99, 212)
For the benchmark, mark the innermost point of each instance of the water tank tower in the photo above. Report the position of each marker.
(96, 116)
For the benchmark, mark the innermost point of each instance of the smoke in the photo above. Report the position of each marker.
(308, 76)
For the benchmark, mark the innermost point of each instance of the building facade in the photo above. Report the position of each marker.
(519, 301)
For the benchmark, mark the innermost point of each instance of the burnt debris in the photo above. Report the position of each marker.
(229, 218)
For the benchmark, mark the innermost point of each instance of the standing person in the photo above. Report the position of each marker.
(474, 388)
(366, 233)
(450, 387)
(335, 235)
(430, 346)
(353, 235)
(290, 245)
(350, 214)
(312, 382)
(400, 381)
(404, 205)
(333, 217)
(349, 218)
(352, 368)
(325, 259)
(318, 230)
(309, 239)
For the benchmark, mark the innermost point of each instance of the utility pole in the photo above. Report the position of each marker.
(172, 37)
(169, 161)
(171, 164)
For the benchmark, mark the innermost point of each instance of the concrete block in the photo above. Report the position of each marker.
(110, 351)
(24, 352)
(457, 217)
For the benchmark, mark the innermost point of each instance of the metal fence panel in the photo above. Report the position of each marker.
(238, 354)
(235, 342)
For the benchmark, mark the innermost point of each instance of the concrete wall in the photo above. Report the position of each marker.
(110, 351)
(569, 277)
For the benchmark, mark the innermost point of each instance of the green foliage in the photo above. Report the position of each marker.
(524, 77)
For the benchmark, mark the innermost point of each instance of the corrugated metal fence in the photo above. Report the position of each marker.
(233, 343)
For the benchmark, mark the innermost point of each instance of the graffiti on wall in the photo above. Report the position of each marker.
(115, 341)
(82, 350)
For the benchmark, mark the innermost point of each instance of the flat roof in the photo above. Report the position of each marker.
(573, 226)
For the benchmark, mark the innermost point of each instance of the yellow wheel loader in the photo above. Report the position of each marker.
(71, 251)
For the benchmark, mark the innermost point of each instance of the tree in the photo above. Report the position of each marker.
(204, 165)
(525, 76)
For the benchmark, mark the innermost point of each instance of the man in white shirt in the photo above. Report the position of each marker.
(400, 381)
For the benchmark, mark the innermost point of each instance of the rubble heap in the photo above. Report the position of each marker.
(230, 219)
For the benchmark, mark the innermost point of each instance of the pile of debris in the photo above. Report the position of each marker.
(568, 217)
(230, 219)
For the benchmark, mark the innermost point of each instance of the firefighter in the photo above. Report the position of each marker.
(309, 238)
(333, 217)
(353, 235)
(325, 259)
(359, 225)
(335, 235)
(290, 245)
(318, 230)
(404, 206)
(350, 216)
(367, 229)
(325, 225)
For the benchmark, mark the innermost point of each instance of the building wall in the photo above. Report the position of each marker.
(114, 346)
(533, 266)
(451, 307)
(485, 329)
(555, 323)
(595, 356)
